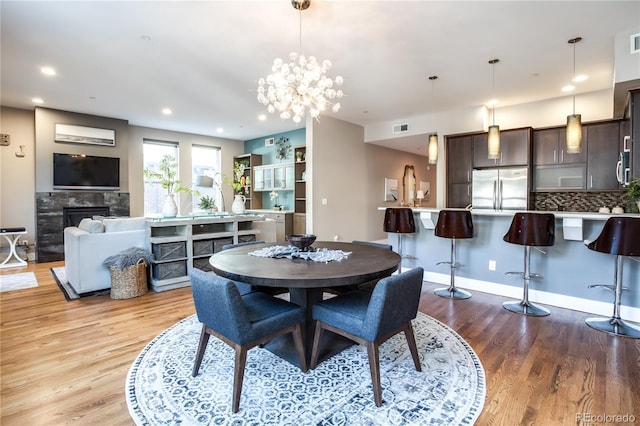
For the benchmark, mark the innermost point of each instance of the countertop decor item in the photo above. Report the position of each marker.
(302, 241)
(633, 193)
(166, 174)
(208, 204)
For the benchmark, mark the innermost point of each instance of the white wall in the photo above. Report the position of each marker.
(17, 184)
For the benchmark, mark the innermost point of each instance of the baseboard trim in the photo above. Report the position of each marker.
(604, 309)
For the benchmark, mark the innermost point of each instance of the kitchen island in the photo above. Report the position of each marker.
(568, 266)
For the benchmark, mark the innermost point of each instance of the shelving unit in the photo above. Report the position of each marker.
(250, 162)
(300, 191)
(182, 244)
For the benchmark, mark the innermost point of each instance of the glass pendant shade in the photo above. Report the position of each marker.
(574, 134)
(494, 142)
(433, 148)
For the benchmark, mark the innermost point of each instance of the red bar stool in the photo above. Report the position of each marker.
(619, 236)
(529, 230)
(399, 220)
(453, 224)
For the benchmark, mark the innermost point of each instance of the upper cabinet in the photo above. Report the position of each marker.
(515, 149)
(459, 167)
(603, 148)
(549, 148)
(274, 177)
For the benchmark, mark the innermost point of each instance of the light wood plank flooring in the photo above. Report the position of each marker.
(66, 362)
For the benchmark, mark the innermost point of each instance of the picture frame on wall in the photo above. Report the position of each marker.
(69, 133)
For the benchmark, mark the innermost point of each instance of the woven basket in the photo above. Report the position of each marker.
(130, 281)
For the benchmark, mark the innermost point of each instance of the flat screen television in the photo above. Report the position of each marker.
(86, 172)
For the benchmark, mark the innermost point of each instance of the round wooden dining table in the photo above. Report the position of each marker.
(306, 281)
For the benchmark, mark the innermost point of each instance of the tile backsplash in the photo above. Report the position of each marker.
(580, 201)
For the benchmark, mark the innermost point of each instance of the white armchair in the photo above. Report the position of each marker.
(89, 244)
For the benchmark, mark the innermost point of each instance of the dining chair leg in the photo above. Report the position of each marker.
(202, 346)
(297, 340)
(238, 376)
(316, 345)
(374, 366)
(413, 348)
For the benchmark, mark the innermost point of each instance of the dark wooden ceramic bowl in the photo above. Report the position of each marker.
(302, 241)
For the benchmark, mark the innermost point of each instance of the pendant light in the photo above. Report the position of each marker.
(574, 124)
(433, 137)
(493, 139)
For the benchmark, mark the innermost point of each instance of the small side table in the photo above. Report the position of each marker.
(12, 235)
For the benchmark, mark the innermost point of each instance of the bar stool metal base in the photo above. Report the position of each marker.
(614, 326)
(526, 308)
(452, 293)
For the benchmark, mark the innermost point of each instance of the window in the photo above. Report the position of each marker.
(153, 151)
(205, 170)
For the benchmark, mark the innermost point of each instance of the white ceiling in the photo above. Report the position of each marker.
(128, 60)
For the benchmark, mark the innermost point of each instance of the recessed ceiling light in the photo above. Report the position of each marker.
(579, 78)
(47, 71)
(219, 130)
(568, 88)
(262, 117)
(167, 111)
(37, 101)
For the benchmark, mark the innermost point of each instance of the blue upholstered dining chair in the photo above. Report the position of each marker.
(369, 285)
(243, 287)
(241, 321)
(370, 319)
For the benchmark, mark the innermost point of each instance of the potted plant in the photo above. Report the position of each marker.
(273, 195)
(166, 175)
(208, 204)
(633, 193)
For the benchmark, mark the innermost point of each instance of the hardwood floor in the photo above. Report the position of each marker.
(66, 362)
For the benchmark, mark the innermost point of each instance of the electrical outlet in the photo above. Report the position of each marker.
(492, 265)
(24, 242)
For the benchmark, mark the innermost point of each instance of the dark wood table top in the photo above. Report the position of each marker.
(365, 263)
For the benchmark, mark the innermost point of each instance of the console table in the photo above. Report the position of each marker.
(182, 243)
(12, 235)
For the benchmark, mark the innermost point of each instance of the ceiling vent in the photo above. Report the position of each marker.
(400, 128)
(635, 43)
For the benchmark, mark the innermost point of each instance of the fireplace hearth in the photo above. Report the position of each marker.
(51, 221)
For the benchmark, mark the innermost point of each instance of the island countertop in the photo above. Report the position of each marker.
(568, 267)
(557, 214)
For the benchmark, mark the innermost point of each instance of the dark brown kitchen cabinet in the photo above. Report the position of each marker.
(459, 151)
(603, 149)
(458, 195)
(515, 148)
(550, 148)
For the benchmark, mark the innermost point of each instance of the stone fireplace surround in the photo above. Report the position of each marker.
(50, 216)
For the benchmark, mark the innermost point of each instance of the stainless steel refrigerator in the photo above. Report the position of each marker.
(500, 189)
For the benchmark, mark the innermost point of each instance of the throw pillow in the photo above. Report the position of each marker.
(91, 226)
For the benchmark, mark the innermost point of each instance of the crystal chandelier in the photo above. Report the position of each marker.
(300, 84)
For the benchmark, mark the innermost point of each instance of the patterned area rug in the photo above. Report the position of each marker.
(449, 391)
(18, 281)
